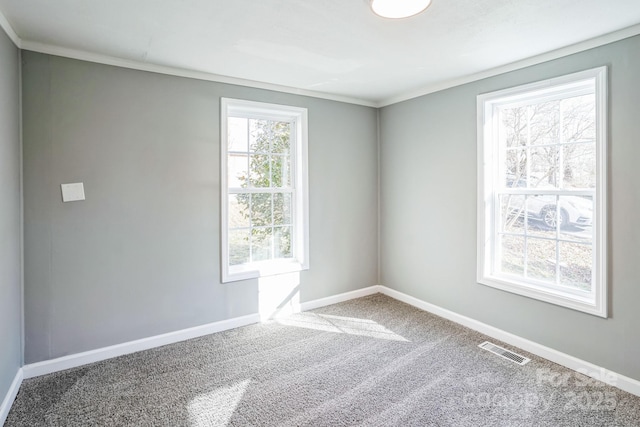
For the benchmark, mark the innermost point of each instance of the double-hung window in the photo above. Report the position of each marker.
(542, 190)
(264, 189)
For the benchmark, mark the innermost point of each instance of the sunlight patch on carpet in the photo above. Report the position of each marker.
(341, 325)
(216, 407)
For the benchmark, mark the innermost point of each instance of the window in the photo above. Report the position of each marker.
(542, 188)
(264, 189)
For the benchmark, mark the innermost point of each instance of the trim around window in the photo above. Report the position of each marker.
(264, 189)
(497, 182)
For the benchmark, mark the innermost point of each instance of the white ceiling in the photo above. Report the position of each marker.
(333, 47)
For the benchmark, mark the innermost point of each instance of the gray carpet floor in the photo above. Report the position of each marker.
(372, 361)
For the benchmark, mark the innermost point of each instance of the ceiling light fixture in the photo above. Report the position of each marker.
(396, 9)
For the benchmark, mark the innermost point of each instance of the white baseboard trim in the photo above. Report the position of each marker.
(10, 397)
(334, 299)
(97, 355)
(49, 366)
(597, 372)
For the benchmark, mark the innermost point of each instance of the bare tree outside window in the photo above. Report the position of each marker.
(549, 145)
(542, 190)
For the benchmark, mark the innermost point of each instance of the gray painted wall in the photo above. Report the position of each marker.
(428, 213)
(140, 256)
(10, 250)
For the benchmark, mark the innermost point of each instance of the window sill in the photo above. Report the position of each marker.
(261, 269)
(580, 301)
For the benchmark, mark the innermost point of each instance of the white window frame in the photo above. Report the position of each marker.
(299, 183)
(594, 302)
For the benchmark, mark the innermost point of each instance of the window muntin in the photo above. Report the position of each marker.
(542, 171)
(264, 191)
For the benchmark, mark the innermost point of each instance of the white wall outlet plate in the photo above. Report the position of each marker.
(72, 192)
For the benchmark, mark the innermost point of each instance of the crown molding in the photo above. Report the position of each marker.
(534, 60)
(172, 71)
(6, 26)
(425, 90)
(181, 72)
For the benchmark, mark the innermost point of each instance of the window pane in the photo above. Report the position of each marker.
(258, 138)
(238, 247)
(261, 209)
(269, 136)
(516, 168)
(539, 208)
(541, 212)
(575, 265)
(544, 166)
(579, 118)
(281, 171)
(238, 134)
(282, 209)
(237, 171)
(260, 171)
(577, 215)
(512, 255)
(281, 142)
(577, 234)
(282, 242)
(579, 165)
(514, 126)
(512, 213)
(261, 243)
(541, 259)
(544, 119)
(239, 210)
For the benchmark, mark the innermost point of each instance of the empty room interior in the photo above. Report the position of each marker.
(279, 212)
